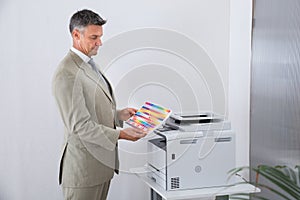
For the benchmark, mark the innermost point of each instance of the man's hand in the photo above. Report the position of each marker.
(126, 113)
(132, 134)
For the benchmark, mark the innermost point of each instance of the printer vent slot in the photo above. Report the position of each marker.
(175, 183)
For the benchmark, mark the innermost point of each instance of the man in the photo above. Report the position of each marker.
(88, 109)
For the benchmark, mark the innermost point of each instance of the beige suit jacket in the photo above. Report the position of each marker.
(88, 111)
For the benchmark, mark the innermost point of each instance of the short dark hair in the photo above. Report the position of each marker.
(83, 18)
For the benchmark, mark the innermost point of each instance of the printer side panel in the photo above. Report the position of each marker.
(200, 162)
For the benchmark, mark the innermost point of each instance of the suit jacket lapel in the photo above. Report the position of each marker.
(90, 73)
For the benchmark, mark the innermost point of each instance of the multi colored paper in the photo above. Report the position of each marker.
(149, 117)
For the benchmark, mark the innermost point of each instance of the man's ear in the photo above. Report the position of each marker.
(76, 34)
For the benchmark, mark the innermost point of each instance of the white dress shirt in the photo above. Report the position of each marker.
(84, 57)
(87, 60)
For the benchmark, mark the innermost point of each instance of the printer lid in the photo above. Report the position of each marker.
(206, 117)
(198, 122)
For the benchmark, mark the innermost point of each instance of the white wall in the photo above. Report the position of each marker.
(239, 75)
(34, 38)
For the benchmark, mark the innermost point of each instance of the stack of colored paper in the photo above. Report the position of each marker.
(149, 117)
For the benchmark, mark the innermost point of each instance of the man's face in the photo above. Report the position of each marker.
(88, 40)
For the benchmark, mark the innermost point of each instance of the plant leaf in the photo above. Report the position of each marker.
(235, 171)
(282, 176)
(280, 179)
(298, 167)
(288, 172)
(273, 191)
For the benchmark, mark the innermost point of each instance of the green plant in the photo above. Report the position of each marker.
(283, 177)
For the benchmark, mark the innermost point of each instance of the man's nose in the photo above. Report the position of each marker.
(99, 42)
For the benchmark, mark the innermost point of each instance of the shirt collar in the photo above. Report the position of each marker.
(84, 57)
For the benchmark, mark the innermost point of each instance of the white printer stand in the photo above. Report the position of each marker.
(217, 193)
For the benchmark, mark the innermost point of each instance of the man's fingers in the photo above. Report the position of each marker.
(140, 131)
(132, 111)
(139, 136)
(143, 134)
(133, 133)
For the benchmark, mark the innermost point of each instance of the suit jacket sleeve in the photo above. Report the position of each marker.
(68, 92)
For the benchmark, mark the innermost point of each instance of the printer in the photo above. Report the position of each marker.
(191, 151)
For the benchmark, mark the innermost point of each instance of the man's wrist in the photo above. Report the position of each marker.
(121, 133)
